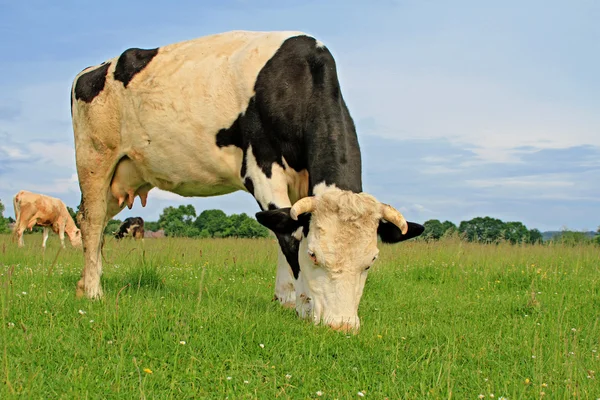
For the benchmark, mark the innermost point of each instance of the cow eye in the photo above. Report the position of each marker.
(375, 258)
(312, 256)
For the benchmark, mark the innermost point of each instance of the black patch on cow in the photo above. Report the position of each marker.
(298, 113)
(278, 220)
(71, 96)
(390, 233)
(127, 223)
(131, 62)
(249, 185)
(90, 84)
(289, 247)
(272, 206)
(283, 225)
(231, 136)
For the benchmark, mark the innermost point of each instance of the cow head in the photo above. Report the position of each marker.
(75, 237)
(338, 245)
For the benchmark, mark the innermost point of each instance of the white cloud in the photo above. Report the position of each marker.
(57, 186)
(159, 194)
(59, 154)
(534, 182)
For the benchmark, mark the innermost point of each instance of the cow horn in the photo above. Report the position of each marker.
(394, 216)
(304, 205)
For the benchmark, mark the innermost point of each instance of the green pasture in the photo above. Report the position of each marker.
(193, 318)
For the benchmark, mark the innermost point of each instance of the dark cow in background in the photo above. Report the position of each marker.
(255, 111)
(131, 227)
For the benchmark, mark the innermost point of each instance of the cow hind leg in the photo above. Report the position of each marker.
(19, 231)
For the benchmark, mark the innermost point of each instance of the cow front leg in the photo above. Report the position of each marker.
(271, 193)
(61, 234)
(45, 237)
(285, 292)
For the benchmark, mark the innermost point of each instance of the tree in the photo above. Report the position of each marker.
(515, 232)
(449, 228)
(3, 221)
(535, 236)
(179, 221)
(112, 226)
(243, 226)
(433, 230)
(73, 214)
(213, 223)
(484, 230)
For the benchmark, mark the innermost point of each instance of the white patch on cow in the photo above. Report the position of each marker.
(322, 187)
(320, 45)
(297, 234)
(273, 190)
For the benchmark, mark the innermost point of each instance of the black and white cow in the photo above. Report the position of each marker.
(131, 227)
(255, 111)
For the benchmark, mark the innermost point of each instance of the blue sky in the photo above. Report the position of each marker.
(463, 108)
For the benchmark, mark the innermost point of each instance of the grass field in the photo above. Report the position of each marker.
(186, 318)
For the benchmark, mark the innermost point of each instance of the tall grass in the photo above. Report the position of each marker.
(184, 318)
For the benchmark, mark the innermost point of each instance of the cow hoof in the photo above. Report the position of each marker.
(83, 291)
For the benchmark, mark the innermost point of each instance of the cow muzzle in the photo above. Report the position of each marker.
(345, 327)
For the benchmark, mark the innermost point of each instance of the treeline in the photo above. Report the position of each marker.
(493, 230)
(182, 221)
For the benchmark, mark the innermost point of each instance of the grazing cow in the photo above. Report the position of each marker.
(255, 111)
(131, 227)
(37, 209)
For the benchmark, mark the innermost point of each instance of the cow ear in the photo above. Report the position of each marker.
(390, 233)
(278, 220)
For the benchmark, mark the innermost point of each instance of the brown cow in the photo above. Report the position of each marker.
(37, 209)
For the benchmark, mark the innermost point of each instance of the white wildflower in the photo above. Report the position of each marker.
(262, 346)
(287, 376)
(228, 378)
(182, 342)
(319, 393)
(81, 312)
(361, 394)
